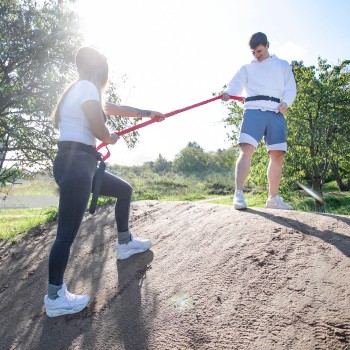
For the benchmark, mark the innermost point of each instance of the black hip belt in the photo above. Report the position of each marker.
(99, 174)
(73, 145)
(262, 98)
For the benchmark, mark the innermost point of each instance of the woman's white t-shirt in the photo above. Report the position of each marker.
(72, 123)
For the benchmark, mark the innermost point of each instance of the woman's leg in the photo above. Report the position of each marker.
(115, 187)
(73, 171)
(127, 243)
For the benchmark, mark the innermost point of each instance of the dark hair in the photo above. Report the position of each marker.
(92, 66)
(258, 39)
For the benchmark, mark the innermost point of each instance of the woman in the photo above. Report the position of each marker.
(80, 118)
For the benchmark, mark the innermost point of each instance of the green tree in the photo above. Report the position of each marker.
(37, 50)
(191, 160)
(223, 160)
(36, 43)
(161, 164)
(319, 123)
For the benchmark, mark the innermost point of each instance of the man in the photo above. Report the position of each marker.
(270, 87)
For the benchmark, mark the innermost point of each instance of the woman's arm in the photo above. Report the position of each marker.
(93, 112)
(131, 112)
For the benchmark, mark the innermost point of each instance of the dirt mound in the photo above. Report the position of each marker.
(215, 278)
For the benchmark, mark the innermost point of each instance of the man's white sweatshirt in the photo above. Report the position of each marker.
(271, 77)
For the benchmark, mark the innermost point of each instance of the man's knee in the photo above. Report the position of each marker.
(277, 156)
(246, 149)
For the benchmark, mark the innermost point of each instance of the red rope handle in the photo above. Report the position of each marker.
(153, 120)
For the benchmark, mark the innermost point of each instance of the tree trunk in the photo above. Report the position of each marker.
(316, 186)
(340, 183)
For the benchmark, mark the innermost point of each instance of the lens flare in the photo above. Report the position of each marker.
(181, 300)
(311, 192)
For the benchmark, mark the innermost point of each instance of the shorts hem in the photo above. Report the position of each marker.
(245, 138)
(277, 147)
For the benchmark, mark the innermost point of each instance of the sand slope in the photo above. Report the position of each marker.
(215, 278)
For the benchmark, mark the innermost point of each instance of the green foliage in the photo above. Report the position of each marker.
(253, 199)
(194, 174)
(218, 184)
(37, 46)
(103, 201)
(10, 175)
(331, 186)
(257, 176)
(338, 204)
(51, 214)
(15, 223)
(222, 161)
(335, 202)
(191, 160)
(234, 120)
(147, 184)
(319, 124)
(38, 42)
(160, 165)
(119, 122)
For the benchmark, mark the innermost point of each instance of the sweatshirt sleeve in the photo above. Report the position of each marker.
(290, 89)
(237, 83)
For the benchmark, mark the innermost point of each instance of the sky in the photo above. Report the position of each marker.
(177, 53)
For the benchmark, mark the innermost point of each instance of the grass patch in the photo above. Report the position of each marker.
(330, 187)
(14, 223)
(334, 203)
(45, 187)
(169, 187)
(257, 200)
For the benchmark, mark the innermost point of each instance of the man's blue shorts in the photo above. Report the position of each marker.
(271, 126)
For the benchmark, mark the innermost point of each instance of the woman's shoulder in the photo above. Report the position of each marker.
(84, 90)
(87, 88)
(86, 84)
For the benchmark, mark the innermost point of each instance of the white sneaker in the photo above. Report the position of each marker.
(238, 200)
(66, 303)
(277, 203)
(135, 246)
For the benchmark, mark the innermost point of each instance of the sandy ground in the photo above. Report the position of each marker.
(215, 278)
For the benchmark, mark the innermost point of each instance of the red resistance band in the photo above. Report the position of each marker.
(153, 120)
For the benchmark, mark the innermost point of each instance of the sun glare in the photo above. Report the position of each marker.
(93, 21)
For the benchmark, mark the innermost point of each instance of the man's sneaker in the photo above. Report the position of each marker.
(238, 200)
(66, 303)
(277, 203)
(135, 246)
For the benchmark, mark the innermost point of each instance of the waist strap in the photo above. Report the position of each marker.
(72, 145)
(262, 98)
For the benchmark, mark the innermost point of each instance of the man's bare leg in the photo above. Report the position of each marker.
(274, 171)
(241, 173)
(243, 164)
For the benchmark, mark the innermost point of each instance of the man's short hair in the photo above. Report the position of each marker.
(257, 39)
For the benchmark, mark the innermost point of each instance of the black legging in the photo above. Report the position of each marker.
(73, 172)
